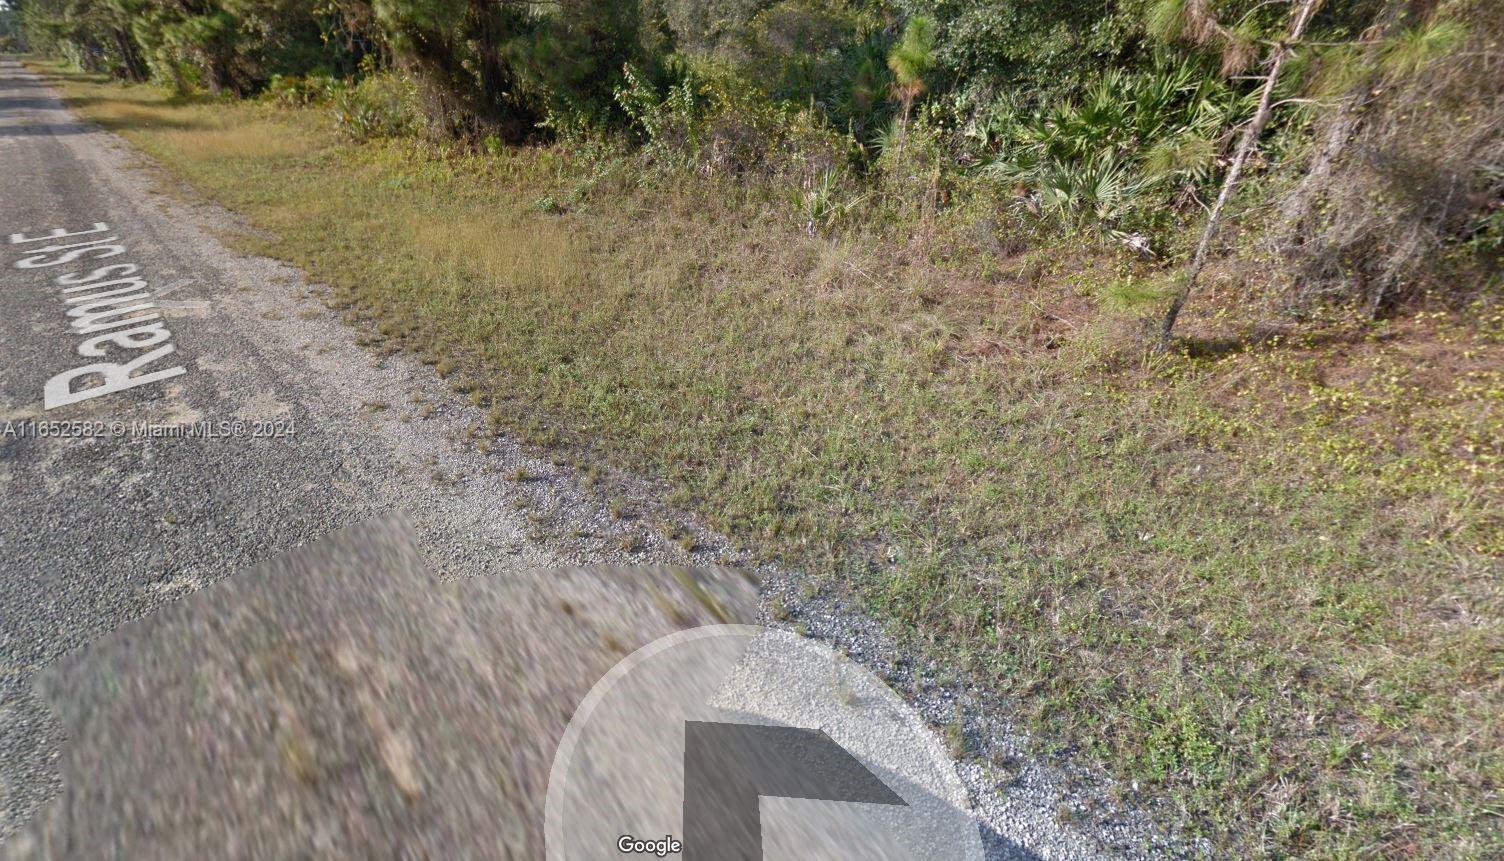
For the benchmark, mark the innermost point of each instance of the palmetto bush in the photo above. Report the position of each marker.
(381, 105)
(827, 202)
(1113, 159)
(1098, 190)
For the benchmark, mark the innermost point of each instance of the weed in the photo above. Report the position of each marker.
(778, 611)
(955, 737)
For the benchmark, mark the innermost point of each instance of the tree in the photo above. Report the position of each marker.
(701, 26)
(1399, 193)
(572, 59)
(1426, 132)
(456, 50)
(12, 36)
(95, 35)
(230, 46)
(911, 60)
(1337, 128)
(1279, 55)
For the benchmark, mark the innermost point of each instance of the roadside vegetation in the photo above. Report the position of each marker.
(880, 290)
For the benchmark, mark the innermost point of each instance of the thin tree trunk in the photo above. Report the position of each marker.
(903, 128)
(1340, 129)
(1246, 148)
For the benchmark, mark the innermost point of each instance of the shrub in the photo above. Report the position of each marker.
(1114, 159)
(1028, 53)
(714, 121)
(381, 105)
(827, 202)
(295, 90)
(1403, 192)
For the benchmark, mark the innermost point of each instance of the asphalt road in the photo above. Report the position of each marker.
(237, 421)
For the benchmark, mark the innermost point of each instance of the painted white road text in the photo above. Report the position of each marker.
(109, 305)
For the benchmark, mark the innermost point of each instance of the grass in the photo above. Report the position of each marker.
(1261, 578)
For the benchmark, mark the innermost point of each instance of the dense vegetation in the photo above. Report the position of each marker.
(874, 286)
(1378, 180)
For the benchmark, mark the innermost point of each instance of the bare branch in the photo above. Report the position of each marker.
(1245, 150)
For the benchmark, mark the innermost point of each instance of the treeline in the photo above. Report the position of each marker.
(1379, 165)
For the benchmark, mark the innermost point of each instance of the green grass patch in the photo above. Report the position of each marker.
(1264, 581)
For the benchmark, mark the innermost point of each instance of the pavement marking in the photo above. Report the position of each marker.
(121, 316)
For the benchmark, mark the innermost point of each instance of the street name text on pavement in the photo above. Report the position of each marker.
(107, 304)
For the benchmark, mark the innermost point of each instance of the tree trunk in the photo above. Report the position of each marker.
(1341, 127)
(475, 98)
(1246, 148)
(1339, 130)
(903, 126)
(501, 111)
(130, 56)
